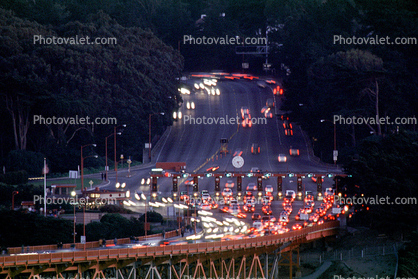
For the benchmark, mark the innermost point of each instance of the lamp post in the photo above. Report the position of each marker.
(149, 132)
(107, 167)
(82, 163)
(335, 154)
(129, 166)
(13, 199)
(114, 143)
(146, 208)
(73, 193)
(82, 185)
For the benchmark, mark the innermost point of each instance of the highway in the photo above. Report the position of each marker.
(195, 143)
(195, 139)
(198, 145)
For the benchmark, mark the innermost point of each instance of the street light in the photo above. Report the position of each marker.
(146, 209)
(73, 193)
(114, 143)
(129, 166)
(107, 167)
(82, 163)
(13, 199)
(335, 154)
(149, 126)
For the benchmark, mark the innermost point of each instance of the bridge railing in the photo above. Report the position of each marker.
(316, 231)
(88, 245)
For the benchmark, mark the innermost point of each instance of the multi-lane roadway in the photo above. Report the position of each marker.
(196, 140)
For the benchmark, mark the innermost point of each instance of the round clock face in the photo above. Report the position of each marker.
(238, 162)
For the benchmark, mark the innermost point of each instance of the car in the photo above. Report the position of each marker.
(224, 209)
(297, 227)
(314, 217)
(244, 111)
(269, 190)
(227, 192)
(308, 209)
(258, 225)
(206, 198)
(270, 103)
(249, 205)
(309, 195)
(188, 182)
(204, 192)
(234, 209)
(249, 196)
(251, 187)
(241, 215)
(256, 216)
(288, 132)
(287, 125)
(284, 117)
(255, 170)
(255, 148)
(267, 209)
(266, 200)
(190, 105)
(284, 217)
(268, 113)
(237, 152)
(246, 122)
(267, 219)
(288, 208)
(282, 158)
(184, 196)
(294, 152)
(177, 115)
(329, 192)
(291, 193)
(263, 109)
(229, 184)
(206, 206)
(212, 168)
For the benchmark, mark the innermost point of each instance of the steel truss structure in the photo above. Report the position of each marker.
(260, 257)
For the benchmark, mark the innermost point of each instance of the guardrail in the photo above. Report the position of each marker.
(305, 234)
(88, 245)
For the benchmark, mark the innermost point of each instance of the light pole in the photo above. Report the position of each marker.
(73, 193)
(129, 166)
(82, 163)
(13, 199)
(114, 142)
(149, 132)
(107, 167)
(335, 154)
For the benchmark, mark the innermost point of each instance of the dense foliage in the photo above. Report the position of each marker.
(19, 228)
(385, 167)
(125, 81)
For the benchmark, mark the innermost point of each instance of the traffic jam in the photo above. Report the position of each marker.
(232, 215)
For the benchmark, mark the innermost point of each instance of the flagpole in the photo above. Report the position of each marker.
(45, 186)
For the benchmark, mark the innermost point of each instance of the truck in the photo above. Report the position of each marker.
(174, 166)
